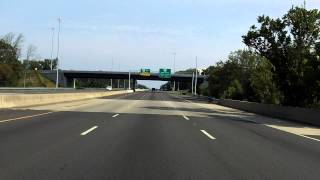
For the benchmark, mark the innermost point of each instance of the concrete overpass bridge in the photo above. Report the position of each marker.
(67, 77)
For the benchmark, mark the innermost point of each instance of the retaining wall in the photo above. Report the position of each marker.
(303, 115)
(21, 100)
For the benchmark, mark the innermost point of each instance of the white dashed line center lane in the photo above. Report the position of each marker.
(208, 135)
(115, 115)
(185, 117)
(25, 117)
(89, 130)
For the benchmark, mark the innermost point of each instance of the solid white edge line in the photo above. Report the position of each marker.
(25, 117)
(186, 118)
(308, 137)
(89, 130)
(207, 134)
(115, 115)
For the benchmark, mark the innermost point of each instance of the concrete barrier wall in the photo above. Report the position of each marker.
(303, 115)
(21, 100)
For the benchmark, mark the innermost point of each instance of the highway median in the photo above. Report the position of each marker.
(13, 100)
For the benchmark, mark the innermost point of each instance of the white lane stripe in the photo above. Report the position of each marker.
(186, 118)
(207, 134)
(144, 95)
(89, 130)
(267, 125)
(115, 115)
(308, 137)
(25, 117)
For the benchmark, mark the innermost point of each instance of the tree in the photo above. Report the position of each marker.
(10, 67)
(7, 53)
(261, 80)
(234, 74)
(15, 41)
(234, 90)
(291, 45)
(31, 50)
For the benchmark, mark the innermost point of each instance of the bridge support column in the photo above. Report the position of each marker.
(134, 84)
(74, 83)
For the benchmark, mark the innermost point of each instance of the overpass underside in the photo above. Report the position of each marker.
(67, 77)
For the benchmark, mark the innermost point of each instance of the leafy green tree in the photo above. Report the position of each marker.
(15, 41)
(291, 44)
(10, 67)
(264, 87)
(226, 76)
(7, 53)
(234, 91)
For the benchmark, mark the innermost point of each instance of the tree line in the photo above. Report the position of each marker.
(14, 67)
(280, 66)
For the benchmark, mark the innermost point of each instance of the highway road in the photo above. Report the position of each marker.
(147, 135)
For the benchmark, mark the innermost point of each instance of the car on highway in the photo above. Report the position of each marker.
(109, 88)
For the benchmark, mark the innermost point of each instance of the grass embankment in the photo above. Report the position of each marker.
(14, 77)
(34, 79)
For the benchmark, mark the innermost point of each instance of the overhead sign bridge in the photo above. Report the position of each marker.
(66, 77)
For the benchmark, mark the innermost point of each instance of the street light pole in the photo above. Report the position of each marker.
(192, 83)
(58, 49)
(174, 70)
(111, 70)
(129, 80)
(196, 78)
(52, 44)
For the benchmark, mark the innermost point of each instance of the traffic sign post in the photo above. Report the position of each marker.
(165, 73)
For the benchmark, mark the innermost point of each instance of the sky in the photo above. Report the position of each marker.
(138, 34)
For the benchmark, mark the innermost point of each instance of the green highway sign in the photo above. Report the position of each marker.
(165, 73)
(145, 72)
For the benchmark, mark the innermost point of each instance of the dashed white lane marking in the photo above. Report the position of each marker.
(89, 130)
(144, 95)
(208, 135)
(185, 117)
(115, 115)
(25, 117)
(279, 121)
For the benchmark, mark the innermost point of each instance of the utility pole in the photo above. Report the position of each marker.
(58, 49)
(174, 70)
(111, 69)
(52, 44)
(196, 80)
(129, 80)
(192, 83)
(119, 79)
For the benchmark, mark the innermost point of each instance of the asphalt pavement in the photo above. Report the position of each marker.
(150, 135)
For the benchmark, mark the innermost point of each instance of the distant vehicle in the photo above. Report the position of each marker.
(109, 88)
(153, 89)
